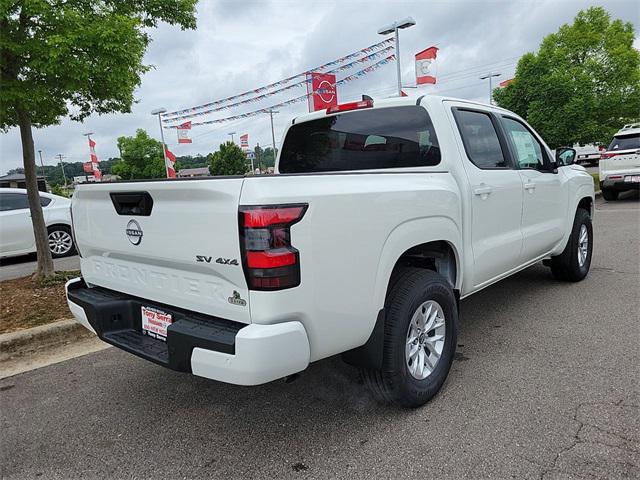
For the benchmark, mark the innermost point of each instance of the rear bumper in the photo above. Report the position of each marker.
(206, 346)
(619, 184)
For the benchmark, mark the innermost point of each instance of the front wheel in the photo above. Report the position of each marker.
(420, 335)
(60, 241)
(573, 263)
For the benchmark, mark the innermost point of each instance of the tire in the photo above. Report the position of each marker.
(60, 241)
(609, 194)
(573, 264)
(414, 289)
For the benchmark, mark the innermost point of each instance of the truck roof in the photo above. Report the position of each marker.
(399, 101)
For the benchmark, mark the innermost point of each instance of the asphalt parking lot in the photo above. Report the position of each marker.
(546, 384)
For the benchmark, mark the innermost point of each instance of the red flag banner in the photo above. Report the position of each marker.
(244, 141)
(505, 83)
(94, 160)
(183, 132)
(425, 66)
(171, 163)
(324, 93)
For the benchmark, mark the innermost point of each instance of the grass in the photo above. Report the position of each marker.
(61, 277)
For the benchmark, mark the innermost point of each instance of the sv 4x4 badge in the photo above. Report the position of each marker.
(235, 299)
(220, 260)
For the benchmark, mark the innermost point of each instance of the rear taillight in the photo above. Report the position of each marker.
(269, 259)
(604, 156)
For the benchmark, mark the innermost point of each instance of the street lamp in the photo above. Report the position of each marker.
(232, 134)
(394, 28)
(158, 112)
(490, 75)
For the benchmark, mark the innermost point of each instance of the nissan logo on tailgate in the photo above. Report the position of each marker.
(134, 232)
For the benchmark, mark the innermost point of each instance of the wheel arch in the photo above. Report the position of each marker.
(432, 243)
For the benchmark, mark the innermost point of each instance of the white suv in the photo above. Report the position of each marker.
(620, 165)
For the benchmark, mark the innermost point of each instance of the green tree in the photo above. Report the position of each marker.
(72, 58)
(229, 160)
(141, 157)
(582, 85)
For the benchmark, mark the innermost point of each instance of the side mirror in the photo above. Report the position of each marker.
(565, 156)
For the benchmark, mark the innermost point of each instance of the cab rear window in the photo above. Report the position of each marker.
(393, 137)
(625, 142)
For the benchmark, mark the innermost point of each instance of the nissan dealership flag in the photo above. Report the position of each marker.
(94, 160)
(324, 93)
(425, 66)
(244, 141)
(183, 132)
(171, 163)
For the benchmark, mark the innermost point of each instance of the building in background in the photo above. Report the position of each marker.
(17, 180)
(194, 172)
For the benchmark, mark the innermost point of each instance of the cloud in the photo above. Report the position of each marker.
(242, 45)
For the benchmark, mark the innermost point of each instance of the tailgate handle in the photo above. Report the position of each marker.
(132, 203)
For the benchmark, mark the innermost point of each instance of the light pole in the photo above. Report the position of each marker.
(232, 134)
(273, 135)
(490, 75)
(158, 112)
(42, 167)
(395, 28)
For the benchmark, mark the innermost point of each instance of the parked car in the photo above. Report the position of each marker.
(16, 230)
(588, 154)
(620, 165)
(380, 218)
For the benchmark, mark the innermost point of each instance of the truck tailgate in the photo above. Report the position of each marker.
(174, 242)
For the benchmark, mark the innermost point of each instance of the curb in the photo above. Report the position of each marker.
(31, 340)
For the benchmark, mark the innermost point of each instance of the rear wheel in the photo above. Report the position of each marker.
(420, 334)
(573, 263)
(610, 194)
(60, 241)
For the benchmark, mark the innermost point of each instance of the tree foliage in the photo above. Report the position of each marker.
(141, 157)
(229, 160)
(264, 157)
(77, 57)
(582, 85)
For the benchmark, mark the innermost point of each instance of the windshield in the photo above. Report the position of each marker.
(625, 142)
(392, 137)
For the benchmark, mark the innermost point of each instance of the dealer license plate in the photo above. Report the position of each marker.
(155, 323)
(632, 178)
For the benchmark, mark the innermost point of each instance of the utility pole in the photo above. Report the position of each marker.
(158, 112)
(395, 28)
(42, 167)
(60, 157)
(257, 150)
(490, 76)
(273, 135)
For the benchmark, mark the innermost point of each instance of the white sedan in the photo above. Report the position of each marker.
(16, 230)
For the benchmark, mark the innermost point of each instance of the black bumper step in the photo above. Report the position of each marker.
(117, 319)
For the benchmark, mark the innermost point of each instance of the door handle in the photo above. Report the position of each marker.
(530, 186)
(482, 190)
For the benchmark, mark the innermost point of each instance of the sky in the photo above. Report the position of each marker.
(242, 45)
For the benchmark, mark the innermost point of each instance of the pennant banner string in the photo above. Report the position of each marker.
(372, 56)
(338, 61)
(302, 98)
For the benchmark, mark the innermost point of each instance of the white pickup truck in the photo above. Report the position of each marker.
(379, 220)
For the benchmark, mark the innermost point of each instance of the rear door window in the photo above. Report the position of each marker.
(527, 150)
(625, 142)
(480, 139)
(393, 137)
(13, 201)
